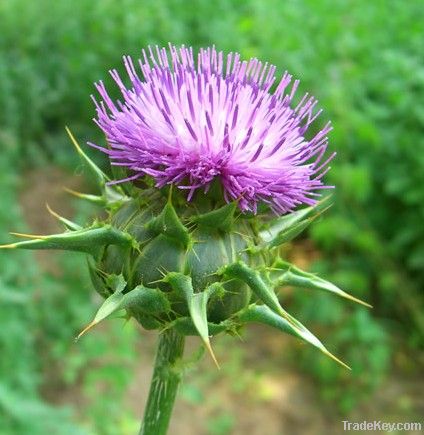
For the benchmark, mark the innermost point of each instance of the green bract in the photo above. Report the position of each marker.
(201, 268)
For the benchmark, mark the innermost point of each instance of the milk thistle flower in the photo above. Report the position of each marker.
(224, 156)
(189, 122)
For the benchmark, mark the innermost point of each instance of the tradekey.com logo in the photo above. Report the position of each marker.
(379, 425)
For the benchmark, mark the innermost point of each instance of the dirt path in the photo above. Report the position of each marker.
(257, 392)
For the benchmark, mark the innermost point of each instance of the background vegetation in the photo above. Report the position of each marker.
(363, 60)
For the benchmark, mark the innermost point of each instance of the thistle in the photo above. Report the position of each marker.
(210, 158)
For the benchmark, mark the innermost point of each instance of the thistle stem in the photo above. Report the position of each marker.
(163, 389)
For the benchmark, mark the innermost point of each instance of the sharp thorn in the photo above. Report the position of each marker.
(73, 140)
(53, 213)
(326, 352)
(8, 246)
(358, 301)
(157, 280)
(66, 222)
(29, 236)
(89, 197)
(72, 192)
(88, 327)
(170, 194)
(210, 350)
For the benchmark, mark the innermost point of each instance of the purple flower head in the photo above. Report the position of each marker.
(193, 120)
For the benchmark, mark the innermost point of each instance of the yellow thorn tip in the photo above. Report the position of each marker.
(52, 212)
(8, 246)
(28, 236)
(358, 301)
(73, 192)
(209, 348)
(88, 327)
(326, 352)
(74, 141)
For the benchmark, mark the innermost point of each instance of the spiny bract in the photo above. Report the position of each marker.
(202, 268)
(211, 264)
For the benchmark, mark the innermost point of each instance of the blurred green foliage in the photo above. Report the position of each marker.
(363, 60)
(40, 315)
(21, 409)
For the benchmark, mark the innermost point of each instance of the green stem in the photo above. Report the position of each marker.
(163, 389)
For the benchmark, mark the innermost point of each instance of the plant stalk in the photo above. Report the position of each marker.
(165, 381)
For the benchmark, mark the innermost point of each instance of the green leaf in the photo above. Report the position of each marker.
(146, 300)
(289, 234)
(116, 282)
(284, 273)
(287, 227)
(263, 314)
(185, 326)
(197, 304)
(169, 224)
(141, 300)
(112, 304)
(253, 279)
(89, 240)
(221, 218)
